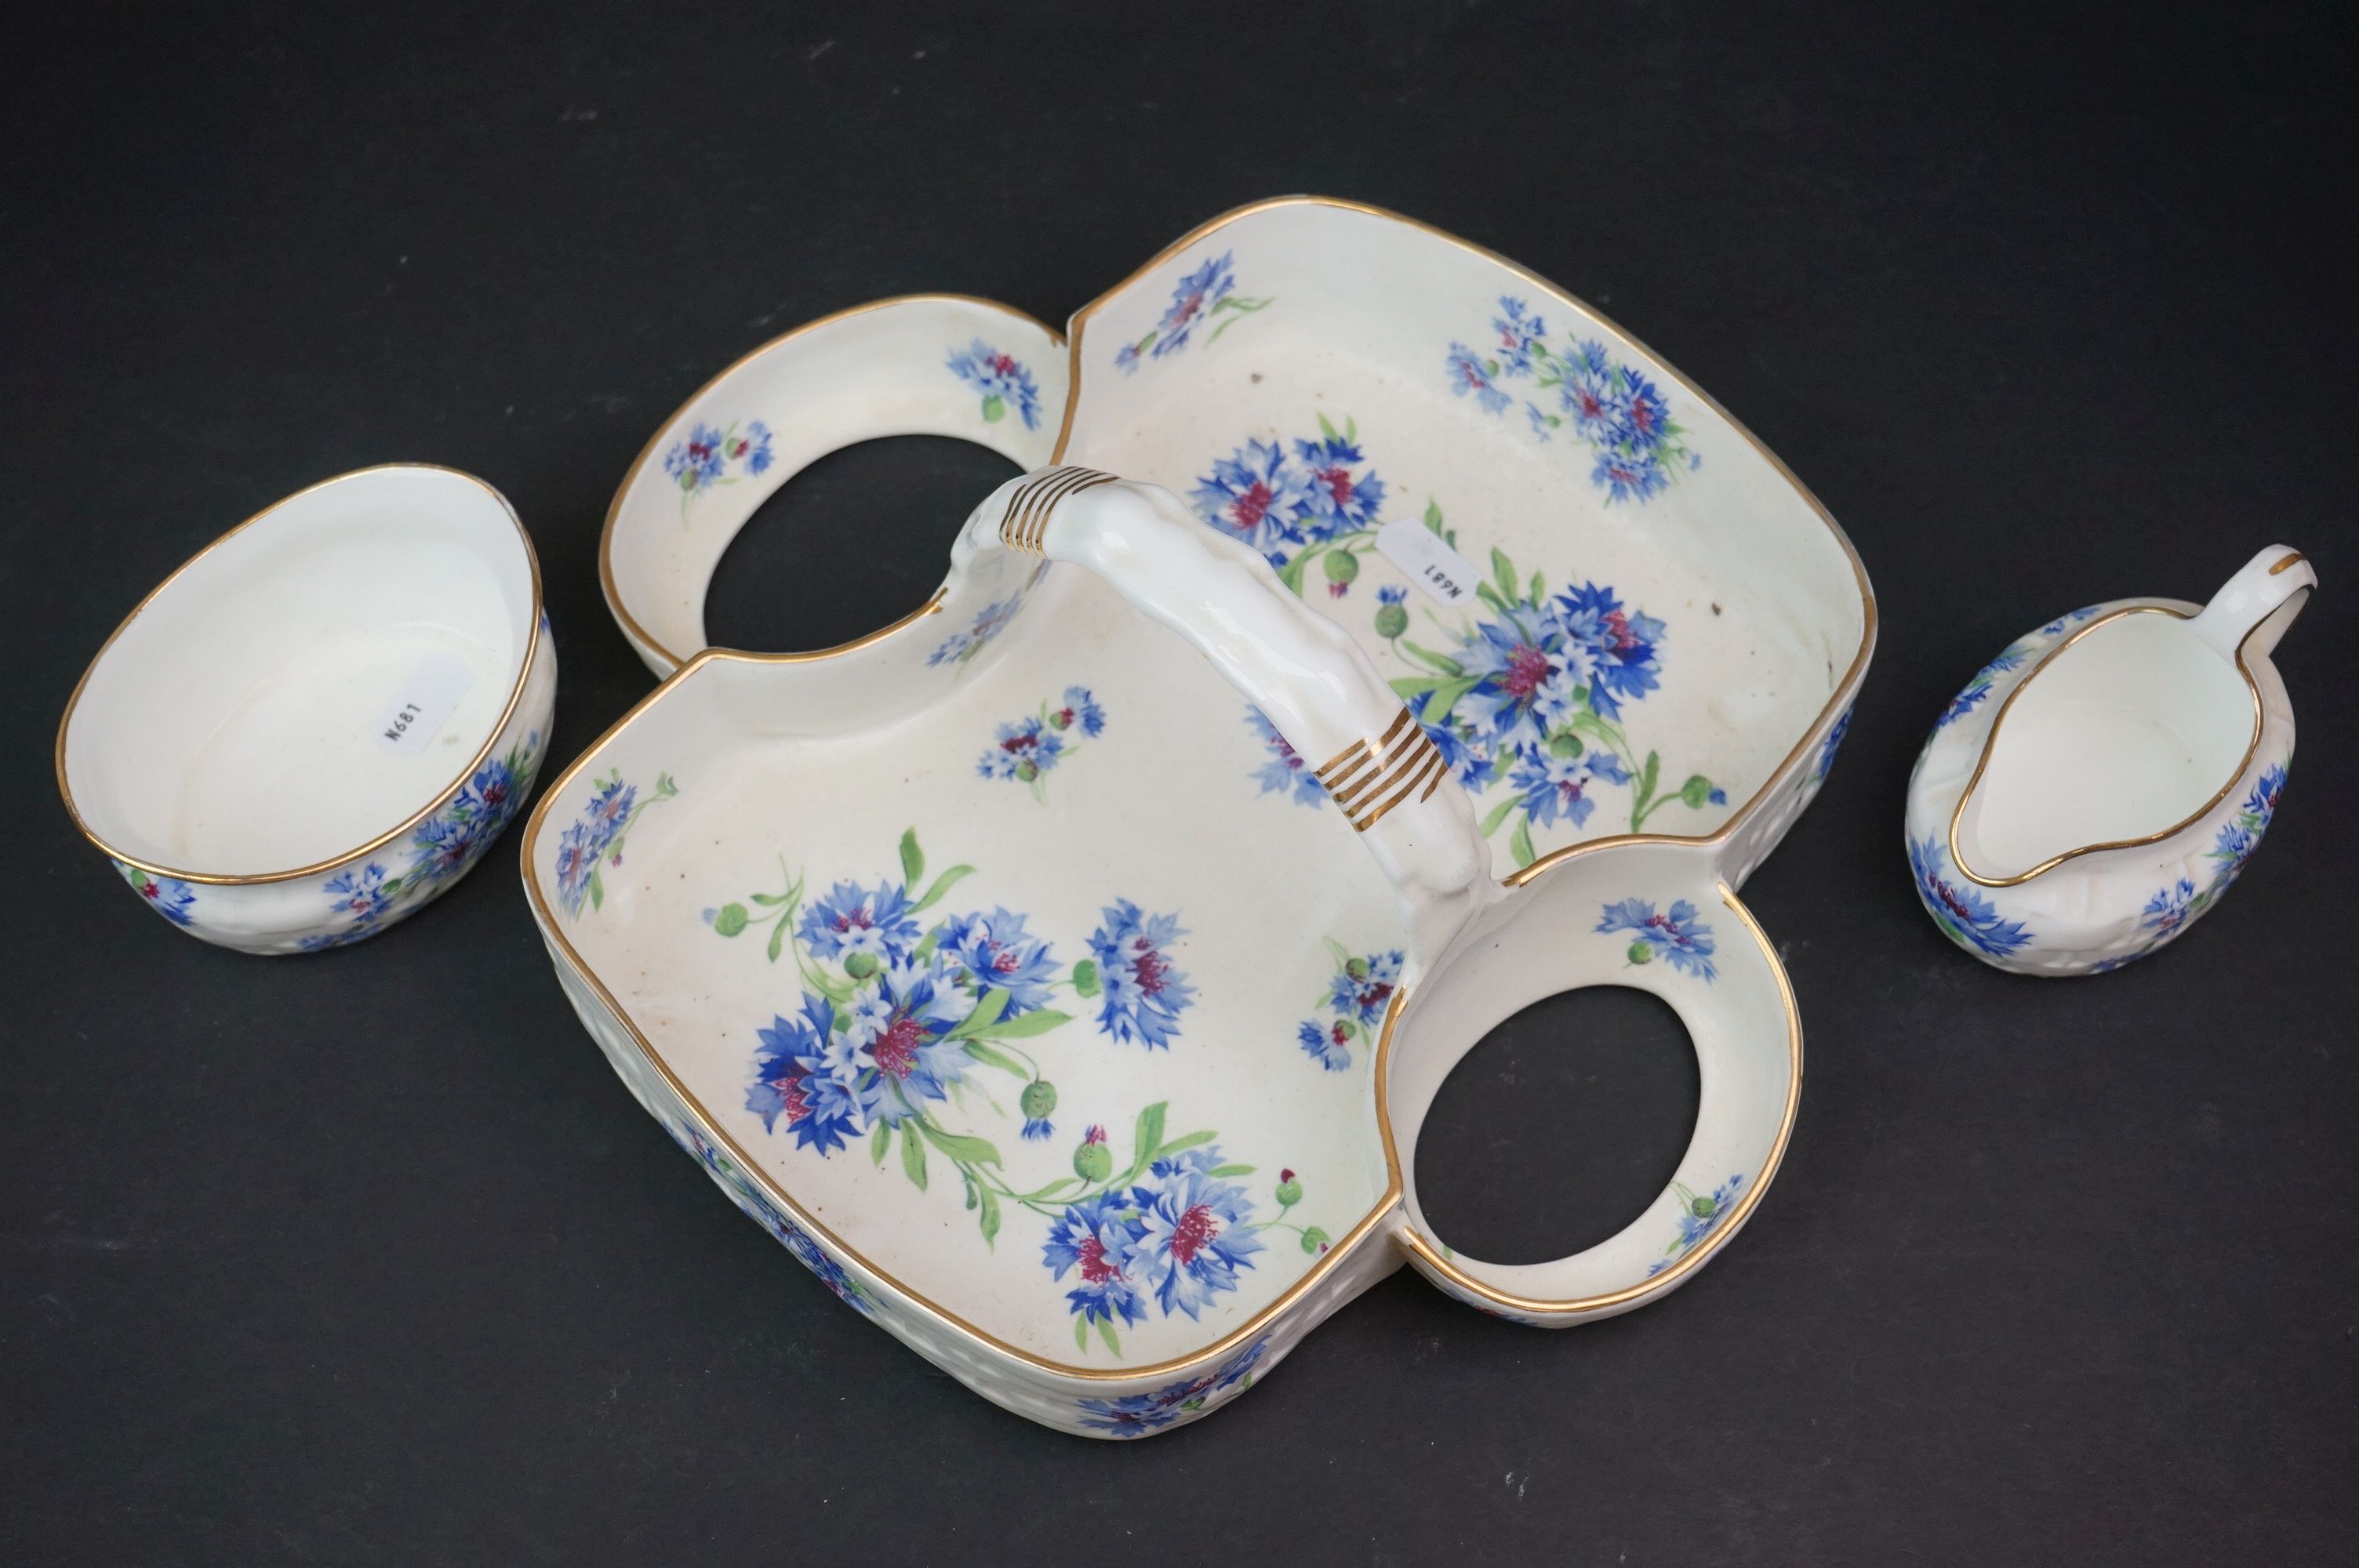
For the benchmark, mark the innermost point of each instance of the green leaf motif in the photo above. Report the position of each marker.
(989, 1218)
(1503, 571)
(1039, 1021)
(880, 1144)
(942, 884)
(597, 892)
(992, 408)
(1000, 1059)
(913, 1157)
(730, 920)
(913, 860)
(1519, 843)
(958, 1146)
(1085, 977)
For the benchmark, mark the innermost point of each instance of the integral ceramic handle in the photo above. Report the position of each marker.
(1656, 916)
(2253, 608)
(1304, 672)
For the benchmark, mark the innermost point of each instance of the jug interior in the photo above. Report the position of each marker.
(2123, 735)
(310, 681)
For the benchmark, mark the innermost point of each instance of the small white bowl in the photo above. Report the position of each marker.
(323, 717)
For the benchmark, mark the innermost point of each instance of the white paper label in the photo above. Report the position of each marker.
(423, 702)
(1430, 563)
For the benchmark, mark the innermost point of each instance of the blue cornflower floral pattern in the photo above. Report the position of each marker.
(1535, 694)
(1355, 999)
(1638, 449)
(1026, 749)
(1676, 935)
(712, 454)
(1830, 746)
(749, 1196)
(1310, 499)
(989, 623)
(167, 896)
(1135, 1415)
(903, 1011)
(593, 840)
(1005, 385)
(1699, 1216)
(1968, 918)
(1205, 296)
(1284, 773)
(1143, 994)
(362, 900)
(1977, 689)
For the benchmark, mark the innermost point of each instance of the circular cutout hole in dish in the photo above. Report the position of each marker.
(1559, 1127)
(853, 542)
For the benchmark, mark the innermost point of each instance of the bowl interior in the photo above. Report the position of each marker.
(1609, 603)
(309, 682)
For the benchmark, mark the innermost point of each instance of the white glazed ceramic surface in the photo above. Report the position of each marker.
(2075, 822)
(1069, 994)
(930, 364)
(278, 754)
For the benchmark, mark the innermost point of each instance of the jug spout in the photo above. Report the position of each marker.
(2253, 608)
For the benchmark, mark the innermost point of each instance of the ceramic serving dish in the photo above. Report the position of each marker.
(2100, 784)
(1064, 972)
(324, 717)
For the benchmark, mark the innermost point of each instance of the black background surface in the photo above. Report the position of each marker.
(369, 1258)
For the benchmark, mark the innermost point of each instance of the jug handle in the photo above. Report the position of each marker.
(1302, 671)
(1656, 914)
(2253, 608)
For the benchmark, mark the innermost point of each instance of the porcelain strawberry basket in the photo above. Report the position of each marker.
(1064, 972)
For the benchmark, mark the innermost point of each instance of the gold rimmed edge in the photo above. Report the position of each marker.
(606, 581)
(1351, 1241)
(2292, 558)
(1414, 1243)
(1990, 741)
(533, 635)
(1844, 690)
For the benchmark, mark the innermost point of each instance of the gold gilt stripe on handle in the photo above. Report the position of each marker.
(1027, 519)
(1359, 761)
(1368, 778)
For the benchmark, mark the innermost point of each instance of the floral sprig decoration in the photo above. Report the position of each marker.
(1966, 917)
(989, 623)
(1699, 1216)
(167, 896)
(361, 898)
(1027, 749)
(710, 455)
(749, 1196)
(595, 837)
(1297, 502)
(905, 1016)
(1638, 447)
(1534, 694)
(1676, 935)
(1135, 1415)
(1003, 381)
(1355, 999)
(1205, 296)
